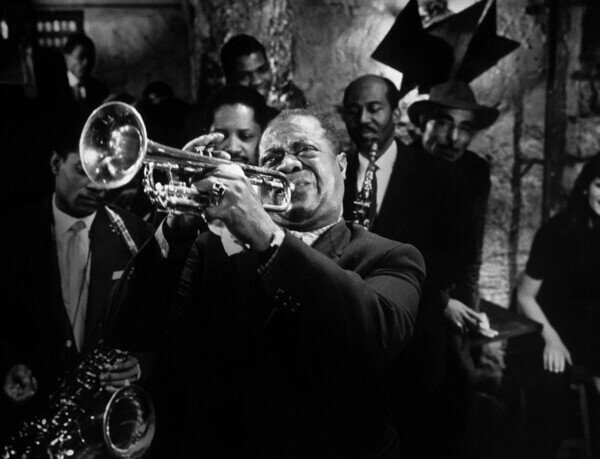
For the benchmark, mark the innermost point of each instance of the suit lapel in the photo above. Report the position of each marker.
(333, 242)
(105, 257)
(388, 211)
(45, 273)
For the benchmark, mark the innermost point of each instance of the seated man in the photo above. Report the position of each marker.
(288, 329)
(60, 258)
(449, 119)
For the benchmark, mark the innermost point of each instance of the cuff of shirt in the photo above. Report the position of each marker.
(266, 257)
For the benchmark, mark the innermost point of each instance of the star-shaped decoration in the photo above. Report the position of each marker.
(461, 46)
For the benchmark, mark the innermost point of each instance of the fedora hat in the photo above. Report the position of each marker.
(453, 94)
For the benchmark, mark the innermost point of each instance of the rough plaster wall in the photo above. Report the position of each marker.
(138, 45)
(516, 86)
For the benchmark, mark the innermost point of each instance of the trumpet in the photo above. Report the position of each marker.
(114, 146)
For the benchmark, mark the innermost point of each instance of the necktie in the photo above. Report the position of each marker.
(77, 257)
(367, 197)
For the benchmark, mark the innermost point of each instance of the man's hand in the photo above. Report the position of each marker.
(19, 384)
(556, 354)
(197, 145)
(461, 315)
(239, 207)
(188, 224)
(121, 374)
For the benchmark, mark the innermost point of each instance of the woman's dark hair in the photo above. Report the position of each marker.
(578, 199)
(236, 94)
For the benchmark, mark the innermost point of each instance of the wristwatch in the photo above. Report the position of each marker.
(276, 241)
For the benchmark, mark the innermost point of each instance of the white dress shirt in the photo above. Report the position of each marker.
(78, 91)
(385, 165)
(62, 224)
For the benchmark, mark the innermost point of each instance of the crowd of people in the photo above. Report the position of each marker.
(336, 328)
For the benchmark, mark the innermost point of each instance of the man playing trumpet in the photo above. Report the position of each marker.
(287, 328)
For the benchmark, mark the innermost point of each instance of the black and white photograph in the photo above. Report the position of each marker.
(300, 229)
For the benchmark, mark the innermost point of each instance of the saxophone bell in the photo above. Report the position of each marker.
(82, 420)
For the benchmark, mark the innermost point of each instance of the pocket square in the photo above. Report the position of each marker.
(117, 275)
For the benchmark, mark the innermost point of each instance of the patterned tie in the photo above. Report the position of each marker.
(76, 303)
(367, 197)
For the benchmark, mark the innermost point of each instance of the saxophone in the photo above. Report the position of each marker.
(362, 204)
(82, 420)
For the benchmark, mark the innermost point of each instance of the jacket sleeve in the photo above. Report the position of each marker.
(141, 301)
(371, 315)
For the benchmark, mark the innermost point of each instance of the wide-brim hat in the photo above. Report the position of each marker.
(453, 94)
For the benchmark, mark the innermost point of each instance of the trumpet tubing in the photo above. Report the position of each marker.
(114, 146)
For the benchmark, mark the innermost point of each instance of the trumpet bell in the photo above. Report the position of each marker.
(112, 145)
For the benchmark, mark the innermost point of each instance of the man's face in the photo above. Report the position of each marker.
(253, 71)
(298, 148)
(368, 114)
(79, 62)
(76, 195)
(448, 132)
(242, 133)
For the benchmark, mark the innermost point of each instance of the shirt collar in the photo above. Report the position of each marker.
(63, 221)
(385, 161)
(73, 80)
(309, 237)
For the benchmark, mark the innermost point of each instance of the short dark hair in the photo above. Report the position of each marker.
(236, 46)
(331, 133)
(83, 40)
(578, 199)
(237, 94)
(392, 94)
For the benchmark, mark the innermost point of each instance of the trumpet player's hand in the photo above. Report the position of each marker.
(186, 226)
(121, 374)
(239, 207)
(19, 384)
(209, 140)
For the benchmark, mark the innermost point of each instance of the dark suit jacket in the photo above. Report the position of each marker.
(427, 205)
(287, 362)
(35, 326)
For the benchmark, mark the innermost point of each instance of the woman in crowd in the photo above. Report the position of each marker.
(240, 114)
(561, 290)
